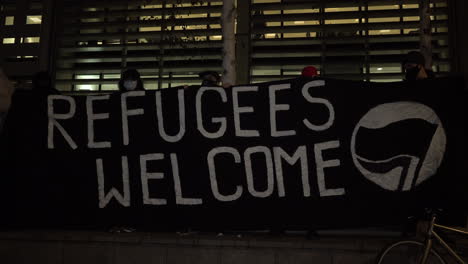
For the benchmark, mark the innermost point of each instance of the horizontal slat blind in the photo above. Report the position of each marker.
(169, 45)
(363, 40)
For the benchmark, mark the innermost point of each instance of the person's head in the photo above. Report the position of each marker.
(209, 78)
(414, 66)
(130, 81)
(309, 71)
(42, 81)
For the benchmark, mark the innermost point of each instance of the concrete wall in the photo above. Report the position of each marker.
(41, 247)
(55, 247)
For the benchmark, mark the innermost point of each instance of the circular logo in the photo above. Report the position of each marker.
(409, 162)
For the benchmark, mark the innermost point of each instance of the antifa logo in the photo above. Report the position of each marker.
(398, 145)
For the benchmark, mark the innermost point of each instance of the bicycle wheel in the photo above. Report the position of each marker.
(408, 251)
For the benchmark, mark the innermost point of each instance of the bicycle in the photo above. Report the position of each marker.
(421, 252)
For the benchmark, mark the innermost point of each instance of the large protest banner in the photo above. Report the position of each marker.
(301, 153)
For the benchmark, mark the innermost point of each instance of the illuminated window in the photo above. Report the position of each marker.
(151, 6)
(151, 85)
(87, 77)
(188, 26)
(341, 21)
(394, 68)
(9, 21)
(387, 80)
(146, 29)
(301, 23)
(87, 87)
(384, 19)
(411, 6)
(295, 35)
(109, 87)
(184, 16)
(200, 38)
(384, 7)
(342, 9)
(193, 27)
(111, 76)
(9, 41)
(411, 31)
(265, 72)
(294, 11)
(272, 35)
(33, 20)
(273, 24)
(272, 12)
(30, 40)
(113, 42)
(411, 18)
(384, 32)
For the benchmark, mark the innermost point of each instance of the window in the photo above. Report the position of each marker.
(341, 21)
(33, 20)
(384, 19)
(384, 7)
(394, 68)
(411, 6)
(294, 11)
(342, 9)
(111, 76)
(30, 40)
(301, 23)
(9, 41)
(295, 35)
(109, 87)
(146, 29)
(152, 85)
(342, 38)
(9, 21)
(87, 87)
(384, 32)
(87, 77)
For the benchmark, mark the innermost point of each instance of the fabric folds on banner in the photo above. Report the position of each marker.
(295, 154)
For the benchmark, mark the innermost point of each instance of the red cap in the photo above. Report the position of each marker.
(309, 71)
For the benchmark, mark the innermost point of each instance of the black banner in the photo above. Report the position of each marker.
(301, 153)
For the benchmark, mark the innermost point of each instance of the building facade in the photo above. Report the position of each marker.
(86, 44)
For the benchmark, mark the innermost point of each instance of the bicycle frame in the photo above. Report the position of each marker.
(429, 242)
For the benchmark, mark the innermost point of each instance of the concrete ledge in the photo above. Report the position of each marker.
(74, 247)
